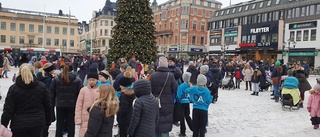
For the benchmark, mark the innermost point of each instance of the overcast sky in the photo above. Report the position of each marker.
(82, 9)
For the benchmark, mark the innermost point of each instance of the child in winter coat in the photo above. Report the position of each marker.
(201, 98)
(105, 78)
(86, 98)
(314, 106)
(255, 81)
(102, 113)
(4, 132)
(238, 76)
(183, 98)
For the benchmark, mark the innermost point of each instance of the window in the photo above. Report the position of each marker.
(3, 25)
(228, 11)
(247, 7)
(64, 42)
(40, 29)
(292, 35)
(170, 25)
(201, 3)
(306, 35)
(13, 39)
(202, 40)
(222, 12)
(313, 35)
(235, 22)
(49, 29)
(175, 39)
(21, 40)
(312, 10)
(185, 10)
(253, 39)
(210, 13)
(233, 10)
(48, 41)
(269, 3)
(265, 17)
(289, 14)
(194, 1)
(203, 24)
(72, 31)
(56, 30)
(303, 11)
(106, 32)
(274, 37)
(298, 37)
(216, 5)
(203, 13)
(159, 39)
(209, 4)
(277, 2)
(3, 39)
(318, 9)
(195, 11)
(184, 24)
(106, 23)
(276, 15)
(100, 32)
(297, 12)
(261, 5)
(244, 39)
(194, 25)
(56, 42)
(111, 23)
(22, 27)
(194, 39)
(240, 8)
(253, 6)
(40, 41)
(164, 40)
(31, 28)
(31, 39)
(13, 26)
(64, 31)
(101, 22)
(71, 43)
(307, 11)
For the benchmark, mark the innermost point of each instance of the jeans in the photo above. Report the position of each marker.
(65, 115)
(200, 118)
(5, 73)
(255, 87)
(28, 132)
(161, 134)
(237, 83)
(276, 91)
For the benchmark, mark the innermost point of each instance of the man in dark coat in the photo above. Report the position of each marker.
(158, 82)
(145, 111)
(216, 77)
(194, 73)
(133, 63)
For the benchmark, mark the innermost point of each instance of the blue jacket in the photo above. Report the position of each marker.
(107, 82)
(200, 96)
(182, 96)
(291, 82)
(118, 93)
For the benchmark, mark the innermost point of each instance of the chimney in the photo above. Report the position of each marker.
(60, 13)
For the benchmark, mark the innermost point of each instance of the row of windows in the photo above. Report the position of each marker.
(22, 28)
(194, 40)
(105, 32)
(227, 41)
(30, 40)
(184, 25)
(303, 11)
(106, 23)
(176, 3)
(303, 35)
(185, 11)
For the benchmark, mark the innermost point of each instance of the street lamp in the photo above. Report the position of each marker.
(289, 42)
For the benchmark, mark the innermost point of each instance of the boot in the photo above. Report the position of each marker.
(246, 86)
(257, 93)
(254, 93)
(315, 126)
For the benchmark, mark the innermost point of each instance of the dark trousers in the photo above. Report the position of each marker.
(185, 108)
(45, 132)
(123, 129)
(28, 132)
(200, 118)
(214, 93)
(65, 115)
(237, 83)
(249, 85)
(315, 120)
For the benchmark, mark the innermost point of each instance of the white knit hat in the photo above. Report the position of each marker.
(201, 80)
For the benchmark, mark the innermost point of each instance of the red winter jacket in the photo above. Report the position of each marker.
(238, 74)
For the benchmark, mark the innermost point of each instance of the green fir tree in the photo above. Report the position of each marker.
(134, 32)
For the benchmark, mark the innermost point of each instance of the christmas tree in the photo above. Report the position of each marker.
(134, 32)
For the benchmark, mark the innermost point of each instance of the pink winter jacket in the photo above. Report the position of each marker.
(314, 104)
(86, 98)
(4, 132)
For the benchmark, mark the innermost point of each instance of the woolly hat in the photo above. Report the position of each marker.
(142, 87)
(201, 80)
(190, 63)
(316, 87)
(124, 81)
(277, 63)
(186, 76)
(93, 73)
(173, 59)
(50, 68)
(204, 68)
(163, 62)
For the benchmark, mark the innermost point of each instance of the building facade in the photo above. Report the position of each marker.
(97, 33)
(260, 29)
(181, 26)
(32, 29)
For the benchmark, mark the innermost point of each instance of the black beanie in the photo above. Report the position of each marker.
(49, 68)
(93, 73)
(125, 82)
(173, 59)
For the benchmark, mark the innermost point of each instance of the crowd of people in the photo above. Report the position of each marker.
(146, 100)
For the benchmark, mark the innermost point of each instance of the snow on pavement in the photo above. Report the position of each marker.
(237, 113)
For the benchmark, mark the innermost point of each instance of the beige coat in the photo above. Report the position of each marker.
(6, 64)
(86, 98)
(247, 73)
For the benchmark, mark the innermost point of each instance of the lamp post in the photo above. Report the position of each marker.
(223, 49)
(289, 42)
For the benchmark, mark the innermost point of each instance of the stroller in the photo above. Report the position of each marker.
(288, 101)
(268, 82)
(228, 82)
(290, 97)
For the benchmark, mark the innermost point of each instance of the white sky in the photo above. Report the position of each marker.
(82, 9)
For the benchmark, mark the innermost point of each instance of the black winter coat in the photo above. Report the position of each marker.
(46, 79)
(304, 85)
(65, 95)
(27, 105)
(194, 74)
(125, 107)
(144, 116)
(99, 125)
(166, 112)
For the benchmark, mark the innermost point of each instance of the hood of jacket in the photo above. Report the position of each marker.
(192, 68)
(42, 78)
(214, 70)
(21, 83)
(142, 87)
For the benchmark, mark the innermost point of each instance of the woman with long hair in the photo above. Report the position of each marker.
(247, 72)
(276, 77)
(6, 66)
(64, 91)
(27, 106)
(102, 113)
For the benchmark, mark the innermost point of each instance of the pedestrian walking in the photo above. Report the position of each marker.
(247, 72)
(6, 66)
(255, 79)
(276, 77)
(314, 106)
(304, 85)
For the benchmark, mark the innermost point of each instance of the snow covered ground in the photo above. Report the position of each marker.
(239, 114)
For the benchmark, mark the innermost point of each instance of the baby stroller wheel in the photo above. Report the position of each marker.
(290, 108)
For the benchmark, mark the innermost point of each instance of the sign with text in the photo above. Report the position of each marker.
(303, 25)
(260, 30)
(196, 50)
(247, 44)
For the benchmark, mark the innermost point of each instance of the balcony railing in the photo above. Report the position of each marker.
(164, 32)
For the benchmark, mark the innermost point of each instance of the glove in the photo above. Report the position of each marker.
(309, 109)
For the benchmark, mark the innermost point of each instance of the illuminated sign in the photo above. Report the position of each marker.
(260, 30)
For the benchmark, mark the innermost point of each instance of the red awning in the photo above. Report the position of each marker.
(52, 50)
(7, 49)
(30, 49)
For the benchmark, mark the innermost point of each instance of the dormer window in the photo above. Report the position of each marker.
(217, 14)
(240, 9)
(247, 7)
(234, 10)
(253, 6)
(261, 4)
(228, 11)
(222, 12)
(269, 3)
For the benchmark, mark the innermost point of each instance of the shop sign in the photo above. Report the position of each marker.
(303, 25)
(247, 44)
(196, 50)
(233, 34)
(301, 54)
(173, 49)
(260, 30)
